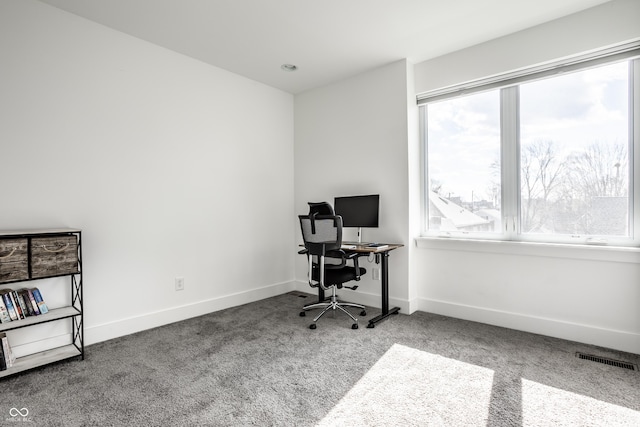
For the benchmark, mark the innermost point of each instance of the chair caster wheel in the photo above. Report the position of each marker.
(354, 326)
(363, 313)
(312, 326)
(303, 313)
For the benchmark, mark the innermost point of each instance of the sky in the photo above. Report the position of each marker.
(573, 110)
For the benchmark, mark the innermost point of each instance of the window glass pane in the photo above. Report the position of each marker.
(463, 163)
(574, 159)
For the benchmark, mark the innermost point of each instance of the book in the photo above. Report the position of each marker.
(16, 304)
(41, 304)
(3, 360)
(4, 313)
(8, 302)
(32, 300)
(25, 303)
(20, 300)
(8, 354)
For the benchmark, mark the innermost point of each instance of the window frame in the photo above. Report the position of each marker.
(508, 84)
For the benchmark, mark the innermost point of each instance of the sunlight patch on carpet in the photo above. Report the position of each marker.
(410, 387)
(546, 405)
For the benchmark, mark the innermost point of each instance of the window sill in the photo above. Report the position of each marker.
(551, 250)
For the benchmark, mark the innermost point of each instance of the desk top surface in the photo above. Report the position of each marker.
(364, 247)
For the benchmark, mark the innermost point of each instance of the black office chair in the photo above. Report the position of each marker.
(327, 263)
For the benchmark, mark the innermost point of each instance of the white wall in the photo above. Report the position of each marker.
(588, 295)
(170, 166)
(604, 25)
(351, 139)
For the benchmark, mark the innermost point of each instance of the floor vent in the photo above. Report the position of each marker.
(298, 294)
(610, 362)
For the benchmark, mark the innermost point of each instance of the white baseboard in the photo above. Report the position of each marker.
(619, 340)
(613, 339)
(121, 327)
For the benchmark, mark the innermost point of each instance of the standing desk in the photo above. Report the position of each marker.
(382, 258)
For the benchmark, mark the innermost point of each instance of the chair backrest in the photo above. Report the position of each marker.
(320, 208)
(321, 233)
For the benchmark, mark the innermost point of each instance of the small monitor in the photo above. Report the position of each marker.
(358, 211)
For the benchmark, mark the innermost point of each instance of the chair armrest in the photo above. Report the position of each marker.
(352, 255)
(303, 251)
(336, 254)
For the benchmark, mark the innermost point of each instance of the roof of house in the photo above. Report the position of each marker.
(459, 216)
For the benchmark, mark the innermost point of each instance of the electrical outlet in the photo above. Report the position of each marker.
(179, 283)
(376, 273)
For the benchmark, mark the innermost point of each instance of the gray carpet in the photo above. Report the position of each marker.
(259, 364)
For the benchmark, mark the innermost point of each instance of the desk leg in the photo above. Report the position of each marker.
(385, 293)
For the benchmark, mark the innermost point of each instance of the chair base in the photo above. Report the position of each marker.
(333, 304)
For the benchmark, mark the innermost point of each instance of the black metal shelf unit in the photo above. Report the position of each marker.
(27, 256)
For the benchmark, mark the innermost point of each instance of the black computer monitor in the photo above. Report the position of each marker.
(358, 211)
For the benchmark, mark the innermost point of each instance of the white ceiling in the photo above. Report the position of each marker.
(327, 39)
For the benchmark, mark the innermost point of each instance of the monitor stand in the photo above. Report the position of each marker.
(359, 242)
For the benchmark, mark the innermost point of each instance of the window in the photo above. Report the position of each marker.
(574, 150)
(544, 156)
(464, 191)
